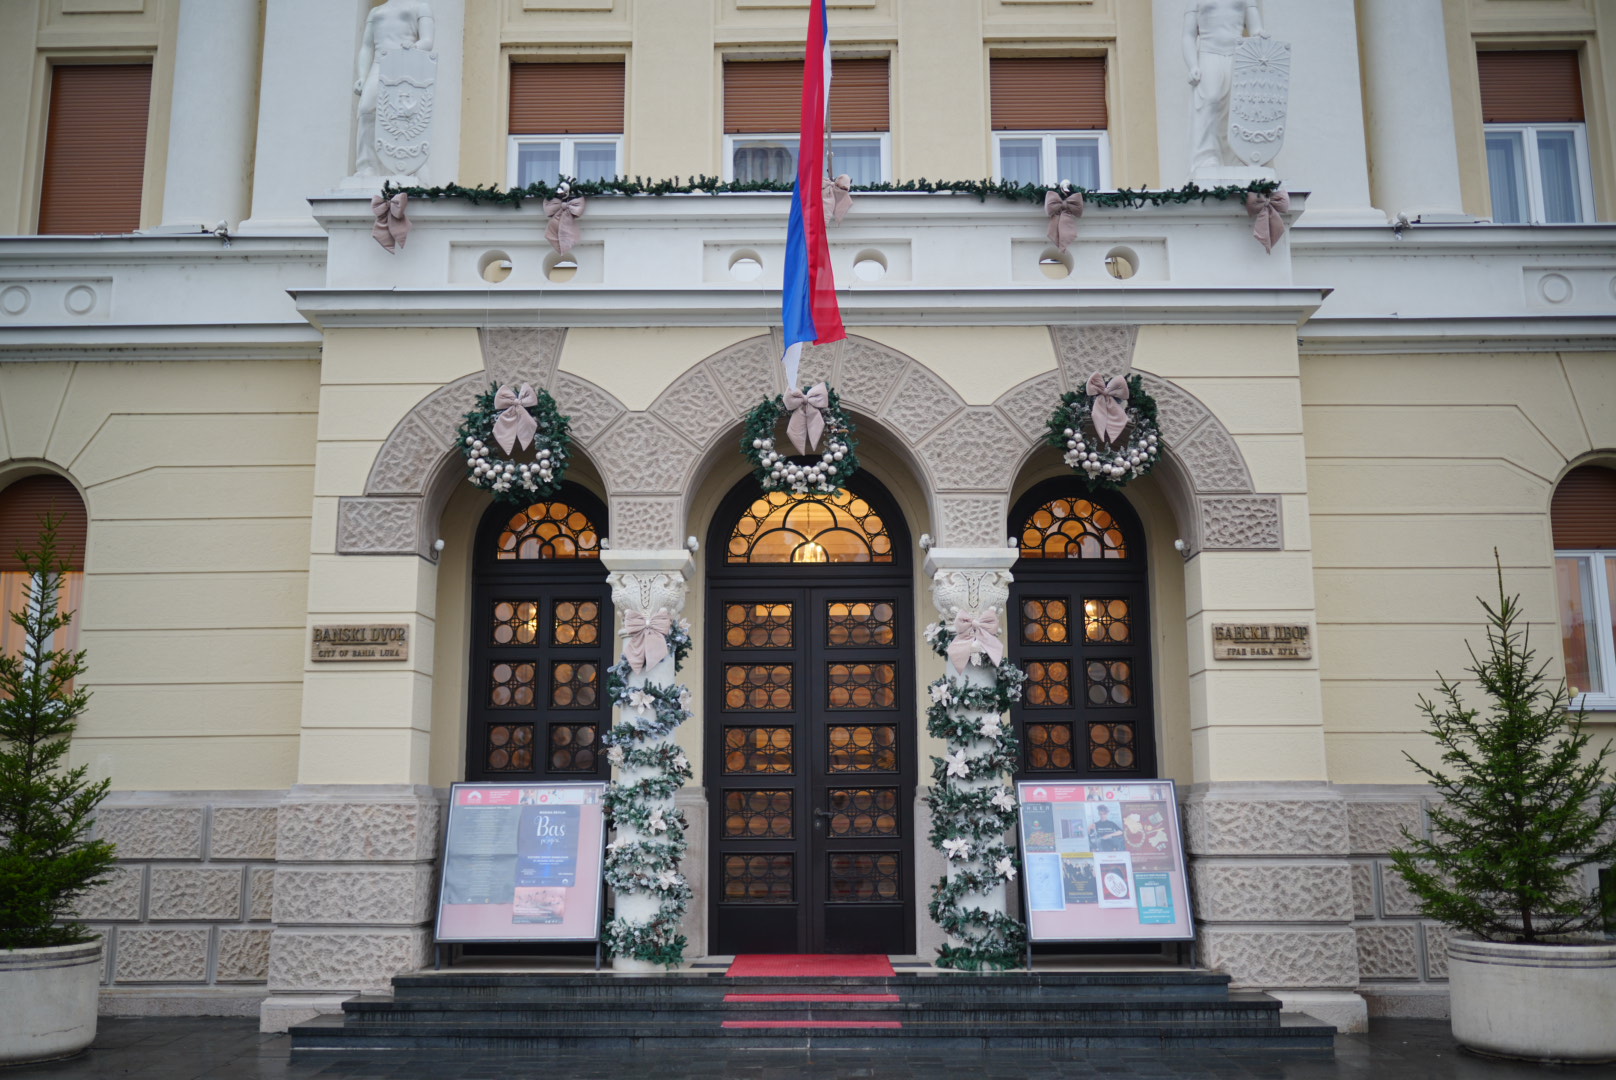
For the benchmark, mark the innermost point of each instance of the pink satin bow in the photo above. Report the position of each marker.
(1268, 217)
(563, 214)
(807, 421)
(392, 228)
(972, 634)
(515, 425)
(1063, 214)
(646, 638)
(1109, 406)
(838, 197)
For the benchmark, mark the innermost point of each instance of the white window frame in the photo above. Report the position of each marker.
(1047, 162)
(1599, 619)
(569, 152)
(790, 136)
(1534, 166)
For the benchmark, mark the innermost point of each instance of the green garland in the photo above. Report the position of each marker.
(1107, 466)
(1134, 198)
(836, 463)
(649, 865)
(519, 483)
(969, 825)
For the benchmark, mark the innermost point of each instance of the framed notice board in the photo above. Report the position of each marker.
(1104, 862)
(523, 862)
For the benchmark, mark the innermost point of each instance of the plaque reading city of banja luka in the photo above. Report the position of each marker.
(1104, 862)
(522, 862)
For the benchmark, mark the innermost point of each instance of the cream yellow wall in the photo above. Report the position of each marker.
(1585, 25)
(674, 50)
(198, 477)
(35, 34)
(1410, 499)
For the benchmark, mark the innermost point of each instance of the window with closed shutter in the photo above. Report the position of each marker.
(763, 112)
(95, 149)
(566, 119)
(24, 506)
(1536, 135)
(1583, 520)
(1049, 119)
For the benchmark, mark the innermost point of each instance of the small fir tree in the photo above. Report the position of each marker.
(1524, 806)
(46, 809)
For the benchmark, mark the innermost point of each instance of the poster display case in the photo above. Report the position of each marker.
(1103, 862)
(523, 863)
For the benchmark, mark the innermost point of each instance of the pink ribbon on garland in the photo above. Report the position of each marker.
(1108, 406)
(807, 416)
(646, 638)
(392, 228)
(838, 197)
(1268, 217)
(975, 633)
(563, 230)
(1063, 213)
(515, 425)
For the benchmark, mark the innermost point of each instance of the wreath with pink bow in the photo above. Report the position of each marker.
(516, 444)
(1107, 431)
(822, 453)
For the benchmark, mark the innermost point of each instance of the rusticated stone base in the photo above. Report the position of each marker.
(201, 1001)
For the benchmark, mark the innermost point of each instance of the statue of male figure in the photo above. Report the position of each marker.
(1212, 32)
(396, 24)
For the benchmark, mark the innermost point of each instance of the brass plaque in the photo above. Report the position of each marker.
(1261, 641)
(379, 642)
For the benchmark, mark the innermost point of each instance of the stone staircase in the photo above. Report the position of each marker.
(1172, 1010)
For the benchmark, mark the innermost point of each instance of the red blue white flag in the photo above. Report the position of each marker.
(808, 301)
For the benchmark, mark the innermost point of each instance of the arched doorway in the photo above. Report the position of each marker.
(541, 641)
(811, 722)
(1080, 605)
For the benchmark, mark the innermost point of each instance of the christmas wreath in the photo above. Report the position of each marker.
(1108, 431)
(516, 443)
(819, 430)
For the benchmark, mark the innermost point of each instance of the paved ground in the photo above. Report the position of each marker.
(208, 1049)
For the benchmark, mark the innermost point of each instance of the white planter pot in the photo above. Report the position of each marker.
(1535, 1002)
(48, 1001)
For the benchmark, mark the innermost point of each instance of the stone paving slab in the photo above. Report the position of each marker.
(205, 1048)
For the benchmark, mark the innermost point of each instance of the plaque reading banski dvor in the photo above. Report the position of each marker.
(1261, 641)
(364, 642)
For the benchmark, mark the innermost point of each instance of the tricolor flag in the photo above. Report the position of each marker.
(808, 301)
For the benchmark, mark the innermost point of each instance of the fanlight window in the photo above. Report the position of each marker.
(781, 528)
(549, 530)
(1072, 529)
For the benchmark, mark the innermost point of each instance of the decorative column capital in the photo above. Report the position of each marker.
(970, 579)
(648, 581)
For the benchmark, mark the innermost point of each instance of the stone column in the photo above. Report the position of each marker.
(210, 129)
(650, 583)
(1413, 144)
(974, 582)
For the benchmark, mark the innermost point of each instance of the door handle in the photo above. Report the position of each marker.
(821, 816)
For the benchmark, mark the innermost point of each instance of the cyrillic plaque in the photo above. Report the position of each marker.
(1261, 641)
(387, 642)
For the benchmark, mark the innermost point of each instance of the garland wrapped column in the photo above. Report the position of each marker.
(643, 860)
(972, 801)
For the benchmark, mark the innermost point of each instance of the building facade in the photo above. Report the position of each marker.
(255, 404)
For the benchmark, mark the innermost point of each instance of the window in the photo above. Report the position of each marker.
(763, 111)
(1049, 120)
(566, 120)
(1584, 521)
(1537, 138)
(95, 149)
(23, 506)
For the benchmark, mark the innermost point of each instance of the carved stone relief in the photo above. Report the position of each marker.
(971, 520)
(1177, 412)
(523, 354)
(641, 453)
(869, 372)
(592, 409)
(645, 523)
(406, 457)
(748, 372)
(1084, 350)
(1029, 405)
(954, 591)
(694, 406)
(1241, 523)
(648, 591)
(378, 526)
(1212, 459)
(978, 451)
(922, 401)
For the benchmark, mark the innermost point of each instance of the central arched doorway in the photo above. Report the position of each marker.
(811, 722)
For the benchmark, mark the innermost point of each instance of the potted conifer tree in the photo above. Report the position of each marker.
(50, 965)
(1525, 807)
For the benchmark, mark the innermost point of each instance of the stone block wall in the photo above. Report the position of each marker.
(186, 913)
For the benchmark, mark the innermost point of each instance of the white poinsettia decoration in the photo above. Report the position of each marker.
(932, 630)
(990, 726)
(957, 848)
(1003, 799)
(942, 693)
(1005, 868)
(681, 762)
(957, 764)
(667, 879)
(656, 822)
(615, 756)
(641, 701)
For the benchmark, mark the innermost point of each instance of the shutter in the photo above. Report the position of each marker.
(1055, 93)
(23, 505)
(567, 99)
(95, 149)
(1584, 509)
(765, 96)
(1530, 87)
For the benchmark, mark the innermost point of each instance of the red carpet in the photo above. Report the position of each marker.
(760, 965)
(746, 999)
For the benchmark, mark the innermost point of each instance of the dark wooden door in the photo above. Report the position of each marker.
(814, 768)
